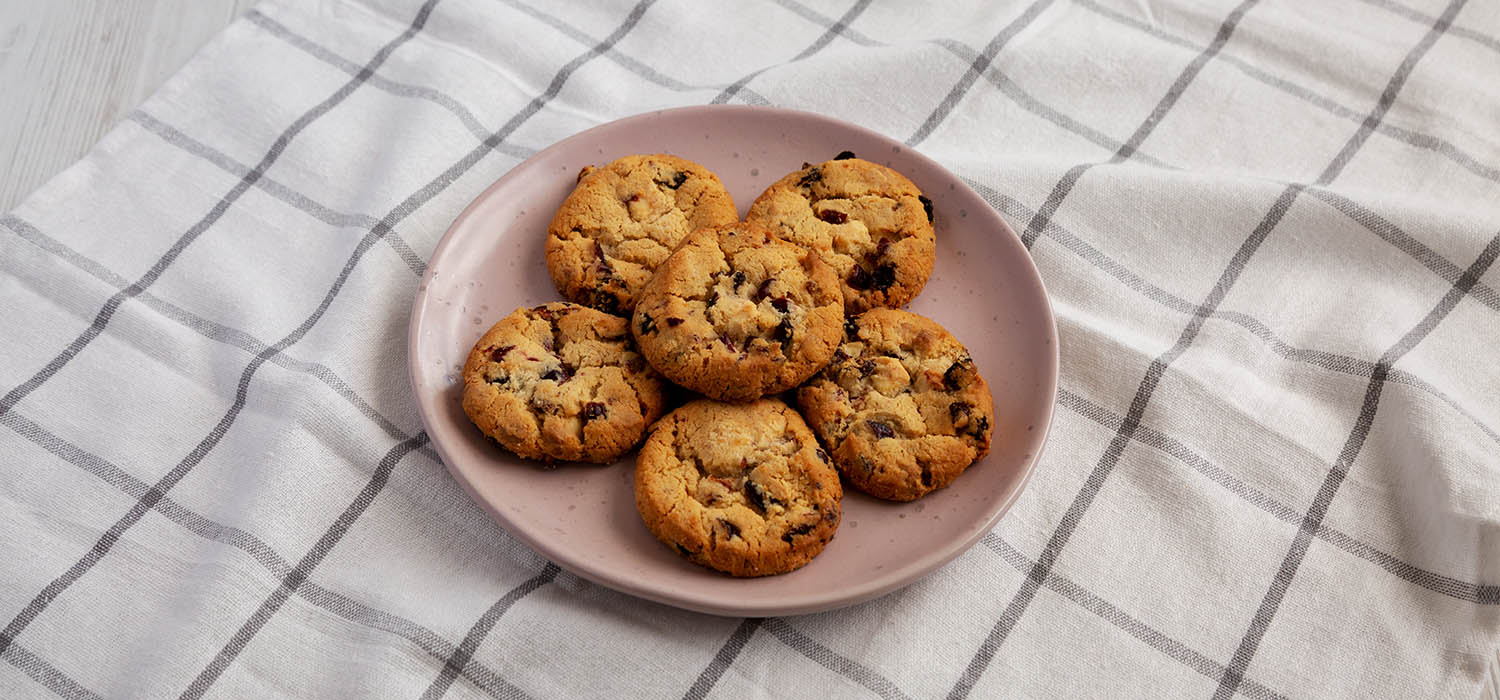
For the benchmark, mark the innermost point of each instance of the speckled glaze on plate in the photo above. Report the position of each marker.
(984, 289)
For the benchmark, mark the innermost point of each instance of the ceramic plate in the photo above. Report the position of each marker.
(984, 289)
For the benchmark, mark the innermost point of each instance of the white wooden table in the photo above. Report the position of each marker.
(70, 69)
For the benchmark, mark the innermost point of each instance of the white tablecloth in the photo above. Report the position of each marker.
(1269, 231)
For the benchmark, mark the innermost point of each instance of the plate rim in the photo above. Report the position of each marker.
(817, 602)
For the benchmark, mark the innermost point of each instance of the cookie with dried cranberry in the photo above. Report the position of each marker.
(741, 488)
(561, 382)
(901, 408)
(867, 221)
(624, 219)
(737, 313)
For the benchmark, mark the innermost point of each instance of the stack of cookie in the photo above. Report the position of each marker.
(803, 293)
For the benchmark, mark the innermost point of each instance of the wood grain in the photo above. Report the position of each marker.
(70, 69)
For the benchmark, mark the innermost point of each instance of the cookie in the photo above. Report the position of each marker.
(741, 488)
(624, 219)
(901, 408)
(736, 313)
(868, 222)
(561, 382)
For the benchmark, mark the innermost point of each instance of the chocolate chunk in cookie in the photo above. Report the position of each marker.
(867, 221)
(623, 219)
(561, 382)
(736, 313)
(738, 487)
(901, 408)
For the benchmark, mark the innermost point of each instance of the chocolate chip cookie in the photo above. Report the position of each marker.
(623, 219)
(867, 221)
(736, 313)
(742, 488)
(901, 407)
(561, 382)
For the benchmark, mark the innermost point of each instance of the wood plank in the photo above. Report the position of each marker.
(70, 69)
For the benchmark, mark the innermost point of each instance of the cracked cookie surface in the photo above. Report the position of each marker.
(624, 219)
(901, 408)
(867, 221)
(736, 313)
(741, 488)
(561, 382)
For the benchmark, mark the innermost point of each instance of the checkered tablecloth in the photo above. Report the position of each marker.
(1269, 230)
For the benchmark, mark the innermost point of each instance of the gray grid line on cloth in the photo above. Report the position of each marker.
(1406, 243)
(416, 200)
(464, 652)
(1482, 594)
(160, 266)
(1329, 105)
(1393, 234)
(47, 675)
(110, 537)
(723, 659)
(1095, 482)
(823, 40)
(833, 661)
(208, 529)
(975, 69)
(1029, 586)
(436, 97)
(272, 187)
(1163, 106)
(211, 330)
(1331, 361)
(1302, 541)
(1104, 610)
(1425, 19)
(1313, 520)
(300, 573)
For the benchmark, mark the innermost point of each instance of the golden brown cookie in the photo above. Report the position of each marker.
(561, 382)
(623, 219)
(742, 488)
(736, 313)
(867, 221)
(901, 407)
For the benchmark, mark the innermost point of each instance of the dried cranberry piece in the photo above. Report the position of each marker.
(757, 495)
(780, 304)
(763, 289)
(498, 354)
(881, 430)
(673, 322)
(844, 155)
(859, 279)
(958, 409)
(833, 216)
(926, 206)
(783, 331)
(795, 532)
(884, 277)
(809, 177)
(593, 410)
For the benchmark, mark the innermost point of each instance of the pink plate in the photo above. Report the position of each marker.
(984, 289)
